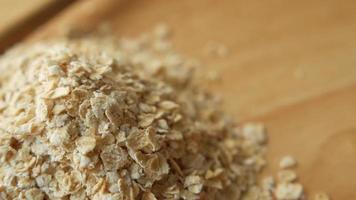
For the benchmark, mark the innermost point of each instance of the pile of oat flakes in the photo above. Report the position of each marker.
(117, 119)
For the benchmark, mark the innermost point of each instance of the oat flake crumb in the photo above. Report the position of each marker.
(286, 176)
(287, 162)
(289, 191)
(216, 49)
(321, 196)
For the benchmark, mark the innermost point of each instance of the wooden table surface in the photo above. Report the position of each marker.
(15, 11)
(18, 18)
(291, 65)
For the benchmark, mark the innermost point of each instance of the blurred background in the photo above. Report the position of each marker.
(288, 64)
(18, 18)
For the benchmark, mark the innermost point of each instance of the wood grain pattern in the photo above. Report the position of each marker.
(291, 65)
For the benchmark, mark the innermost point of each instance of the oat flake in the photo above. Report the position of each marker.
(90, 119)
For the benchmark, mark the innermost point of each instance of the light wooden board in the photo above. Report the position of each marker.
(14, 11)
(292, 65)
(18, 18)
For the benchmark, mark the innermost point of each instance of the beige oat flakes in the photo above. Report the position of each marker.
(124, 119)
(117, 119)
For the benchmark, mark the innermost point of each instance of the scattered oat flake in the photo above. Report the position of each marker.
(289, 191)
(287, 162)
(161, 31)
(216, 49)
(213, 76)
(321, 196)
(287, 176)
(254, 132)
